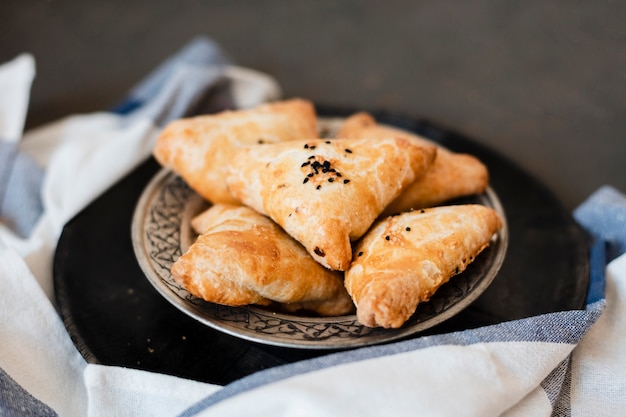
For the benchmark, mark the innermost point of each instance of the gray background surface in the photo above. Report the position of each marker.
(543, 83)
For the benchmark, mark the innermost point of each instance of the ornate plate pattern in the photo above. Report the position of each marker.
(161, 232)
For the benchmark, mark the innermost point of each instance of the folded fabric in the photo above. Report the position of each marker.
(80, 156)
(554, 364)
(20, 176)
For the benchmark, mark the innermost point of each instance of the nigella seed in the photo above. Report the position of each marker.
(338, 173)
(346, 181)
(311, 157)
(305, 180)
(305, 164)
(312, 147)
(310, 175)
(318, 187)
(319, 252)
(331, 179)
(360, 254)
(408, 229)
(387, 237)
(422, 211)
(306, 146)
(348, 150)
(328, 142)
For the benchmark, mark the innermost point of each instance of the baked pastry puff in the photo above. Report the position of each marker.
(451, 175)
(199, 148)
(326, 193)
(242, 257)
(404, 259)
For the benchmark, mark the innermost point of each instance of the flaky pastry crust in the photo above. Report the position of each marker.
(451, 175)
(242, 254)
(200, 148)
(326, 193)
(404, 259)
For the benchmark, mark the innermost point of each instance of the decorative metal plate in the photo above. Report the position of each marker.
(161, 232)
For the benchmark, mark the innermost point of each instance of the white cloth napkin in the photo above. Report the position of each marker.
(566, 363)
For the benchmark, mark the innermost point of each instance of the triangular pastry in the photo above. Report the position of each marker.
(243, 256)
(404, 259)
(326, 193)
(451, 175)
(200, 148)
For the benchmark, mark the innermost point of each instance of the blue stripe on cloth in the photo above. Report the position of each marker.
(597, 269)
(186, 78)
(557, 387)
(562, 327)
(603, 215)
(16, 401)
(20, 182)
(126, 107)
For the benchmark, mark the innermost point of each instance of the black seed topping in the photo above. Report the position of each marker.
(305, 180)
(319, 252)
(318, 187)
(312, 147)
(328, 142)
(306, 146)
(408, 229)
(360, 254)
(348, 150)
(320, 166)
(387, 237)
(422, 211)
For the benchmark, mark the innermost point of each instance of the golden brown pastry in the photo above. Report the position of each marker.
(404, 259)
(326, 193)
(450, 176)
(200, 148)
(242, 257)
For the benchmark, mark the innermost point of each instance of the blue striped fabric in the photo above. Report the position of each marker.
(198, 66)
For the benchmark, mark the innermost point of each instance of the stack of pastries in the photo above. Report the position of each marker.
(326, 225)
